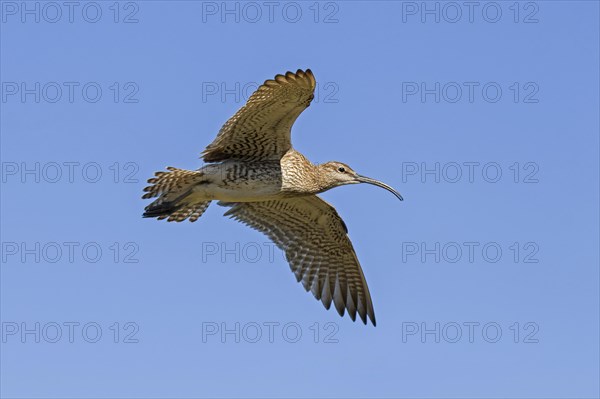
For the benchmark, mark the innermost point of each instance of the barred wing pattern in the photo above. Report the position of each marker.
(316, 244)
(261, 129)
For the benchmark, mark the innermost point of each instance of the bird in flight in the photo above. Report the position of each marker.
(267, 185)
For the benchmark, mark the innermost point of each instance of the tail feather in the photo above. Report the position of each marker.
(173, 189)
(191, 211)
(171, 182)
(160, 210)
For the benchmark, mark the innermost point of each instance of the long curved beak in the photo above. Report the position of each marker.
(364, 179)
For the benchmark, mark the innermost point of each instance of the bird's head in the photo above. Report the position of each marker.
(333, 174)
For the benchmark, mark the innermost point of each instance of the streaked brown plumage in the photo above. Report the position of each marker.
(272, 188)
(261, 128)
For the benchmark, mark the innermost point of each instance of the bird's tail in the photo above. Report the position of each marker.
(175, 202)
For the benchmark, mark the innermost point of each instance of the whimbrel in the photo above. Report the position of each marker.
(253, 169)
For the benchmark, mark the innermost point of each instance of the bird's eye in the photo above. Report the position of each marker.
(342, 170)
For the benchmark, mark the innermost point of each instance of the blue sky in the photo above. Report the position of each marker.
(485, 279)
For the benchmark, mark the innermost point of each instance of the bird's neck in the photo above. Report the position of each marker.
(300, 175)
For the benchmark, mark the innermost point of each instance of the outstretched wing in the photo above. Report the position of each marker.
(261, 128)
(317, 247)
